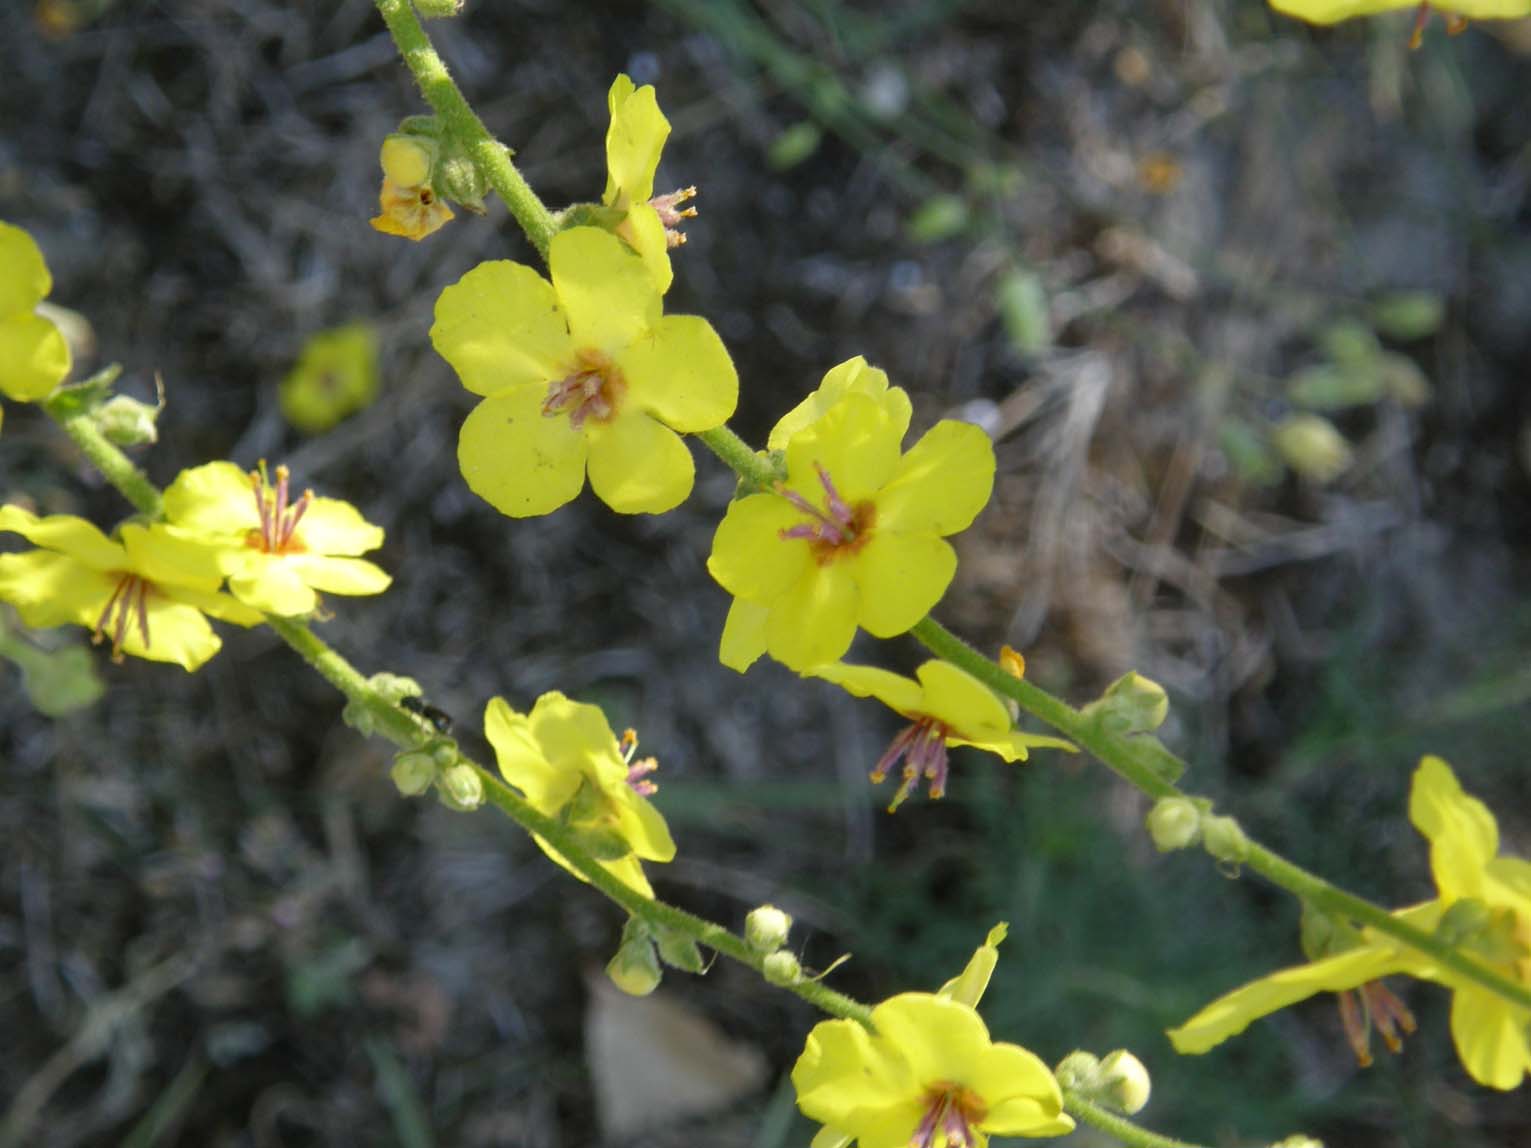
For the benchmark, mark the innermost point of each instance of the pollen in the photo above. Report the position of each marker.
(279, 518)
(593, 389)
(838, 529)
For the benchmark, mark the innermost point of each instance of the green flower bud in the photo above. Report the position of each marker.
(1132, 704)
(781, 968)
(438, 9)
(444, 753)
(393, 688)
(461, 788)
(635, 969)
(1174, 823)
(127, 421)
(680, 952)
(766, 928)
(1313, 447)
(1123, 1082)
(1078, 1070)
(1224, 839)
(358, 715)
(413, 772)
(459, 180)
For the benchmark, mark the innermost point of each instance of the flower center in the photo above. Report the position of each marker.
(278, 518)
(593, 389)
(638, 771)
(922, 749)
(129, 603)
(671, 214)
(952, 1113)
(1373, 1005)
(837, 529)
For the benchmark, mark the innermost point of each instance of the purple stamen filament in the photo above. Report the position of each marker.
(837, 525)
(129, 601)
(278, 519)
(591, 390)
(922, 749)
(1373, 1005)
(637, 771)
(949, 1119)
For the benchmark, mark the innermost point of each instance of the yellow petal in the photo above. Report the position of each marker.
(680, 371)
(841, 1071)
(633, 142)
(961, 702)
(1491, 1038)
(68, 535)
(639, 466)
(34, 358)
(856, 443)
(606, 292)
(521, 758)
(1232, 1013)
(895, 691)
(628, 870)
(333, 526)
(215, 604)
(749, 557)
(178, 633)
(643, 827)
(24, 278)
(500, 326)
(352, 576)
(517, 459)
(942, 483)
(215, 498)
(51, 589)
(1333, 11)
(268, 583)
(744, 635)
(1462, 833)
(938, 1038)
(902, 576)
(645, 233)
(1020, 1091)
(814, 621)
(171, 558)
(854, 376)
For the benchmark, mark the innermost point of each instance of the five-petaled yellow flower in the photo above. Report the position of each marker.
(1484, 906)
(585, 372)
(408, 204)
(948, 707)
(650, 223)
(147, 592)
(276, 550)
(852, 377)
(335, 376)
(854, 536)
(927, 1076)
(34, 358)
(565, 759)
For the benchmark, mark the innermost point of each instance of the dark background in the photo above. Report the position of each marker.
(219, 925)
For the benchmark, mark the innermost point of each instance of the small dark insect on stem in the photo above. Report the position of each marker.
(439, 718)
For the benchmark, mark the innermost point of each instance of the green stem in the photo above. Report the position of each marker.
(1088, 1112)
(490, 156)
(115, 466)
(739, 456)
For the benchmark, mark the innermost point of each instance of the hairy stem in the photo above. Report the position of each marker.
(1088, 1112)
(104, 455)
(489, 156)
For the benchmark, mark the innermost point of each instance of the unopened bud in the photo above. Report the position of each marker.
(1224, 838)
(781, 968)
(393, 687)
(459, 180)
(766, 929)
(413, 772)
(444, 753)
(680, 952)
(461, 788)
(635, 969)
(1174, 823)
(438, 9)
(1123, 1082)
(407, 160)
(1312, 447)
(1078, 1070)
(1132, 704)
(127, 421)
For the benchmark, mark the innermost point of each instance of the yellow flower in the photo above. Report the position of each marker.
(336, 375)
(275, 550)
(565, 759)
(926, 1076)
(854, 536)
(581, 372)
(408, 205)
(34, 358)
(852, 377)
(650, 223)
(948, 707)
(147, 591)
(1459, 11)
(1484, 907)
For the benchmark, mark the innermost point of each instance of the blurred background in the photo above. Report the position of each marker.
(1247, 307)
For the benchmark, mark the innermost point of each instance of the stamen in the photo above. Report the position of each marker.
(666, 207)
(637, 777)
(950, 1115)
(278, 518)
(128, 604)
(592, 390)
(839, 525)
(1421, 19)
(922, 749)
(1373, 1005)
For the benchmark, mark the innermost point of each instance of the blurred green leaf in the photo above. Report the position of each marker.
(1313, 447)
(1349, 343)
(57, 682)
(1408, 314)
(1023, 309)
(1334, 388)
(794, 145)
(1402, 379)
(1249, 453)
(323, 980)
(939, 217)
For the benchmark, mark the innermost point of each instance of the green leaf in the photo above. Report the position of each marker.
(794, 145)
(1349, 343)
(939, 217)
(1408, 314)
(1334, 388)
(1249, 453)
(1023, 310)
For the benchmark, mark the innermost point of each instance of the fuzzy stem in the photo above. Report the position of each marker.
(1087, 1111)
(491, 157)
(739, 457)
(114, 466)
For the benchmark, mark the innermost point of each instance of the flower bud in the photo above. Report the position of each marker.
(392, 688)
(438, 9)
(1312, 447)
(1224, 838)
(1132, 704)
(127, 421)
(1122, 1082)
(407, 160)
(680, 952)
(458, 179)
(766, 928)
(781, 968)
(444, 753)
(635, 969)
(1078, 1070)
(1174, 823)
(461, 788)
(413, 772)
